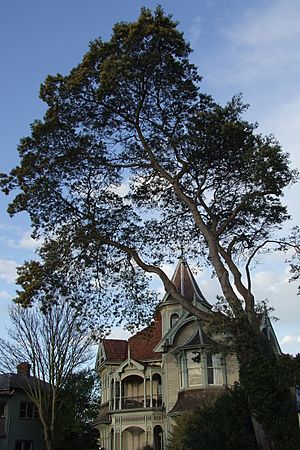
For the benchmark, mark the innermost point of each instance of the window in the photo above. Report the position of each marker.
(199, 369)
(28, 411)
(214, 369)
(181, 372)
(173, 319)
(24, 445)
(2, 410)
(194, 369)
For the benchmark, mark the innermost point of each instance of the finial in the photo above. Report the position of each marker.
(128, 354)
(181, 256)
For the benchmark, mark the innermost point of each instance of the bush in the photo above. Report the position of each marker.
(225, 425)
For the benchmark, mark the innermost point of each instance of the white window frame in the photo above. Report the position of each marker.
(209, 369)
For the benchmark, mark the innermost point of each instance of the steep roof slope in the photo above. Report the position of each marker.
(140, 345)
(186, 284)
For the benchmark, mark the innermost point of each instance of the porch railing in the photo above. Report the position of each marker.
(137, 402)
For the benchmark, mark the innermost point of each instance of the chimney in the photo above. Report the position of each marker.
(23, 369)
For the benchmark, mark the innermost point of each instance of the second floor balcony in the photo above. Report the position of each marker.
(135, 392)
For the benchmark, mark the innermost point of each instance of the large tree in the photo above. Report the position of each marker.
(54, 342)
(132, 161)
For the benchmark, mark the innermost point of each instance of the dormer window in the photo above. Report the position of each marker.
(173, 319)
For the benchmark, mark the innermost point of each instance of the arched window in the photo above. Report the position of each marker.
(158, 438)
(173, 319)
(133, 392)
(112, 434)
(157, 390)
(112, 394)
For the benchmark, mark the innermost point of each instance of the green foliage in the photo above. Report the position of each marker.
(267, 379)
(196, 174)
(225, 425)
(79, 407)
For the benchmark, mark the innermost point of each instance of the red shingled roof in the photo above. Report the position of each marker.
(141, 344)
(115, 349)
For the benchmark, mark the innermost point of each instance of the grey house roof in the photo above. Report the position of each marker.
(11, 381)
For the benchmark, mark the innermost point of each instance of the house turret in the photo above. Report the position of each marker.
(187, 286)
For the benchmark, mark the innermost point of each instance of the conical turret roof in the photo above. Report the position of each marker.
(186, 284)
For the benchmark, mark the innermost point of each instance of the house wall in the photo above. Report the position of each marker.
(170, 381)
(131, 429)
(232, 369)
(166, 313)
(20, 428)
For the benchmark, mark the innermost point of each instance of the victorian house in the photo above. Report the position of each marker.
(161, 372)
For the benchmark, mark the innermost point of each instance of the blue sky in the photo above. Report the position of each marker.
(239, 46)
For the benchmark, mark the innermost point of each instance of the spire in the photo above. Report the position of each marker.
(185, 282)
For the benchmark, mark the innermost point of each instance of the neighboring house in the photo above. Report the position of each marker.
(167, 369)
(20, 427)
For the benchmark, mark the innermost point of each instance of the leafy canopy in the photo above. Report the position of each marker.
(131, 162)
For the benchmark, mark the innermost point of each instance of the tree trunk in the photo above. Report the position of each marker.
(48, 439)
(263, 441)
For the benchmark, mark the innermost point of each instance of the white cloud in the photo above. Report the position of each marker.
(5, 295)
(121, 190)
(20, 240)
(288, 339)
(8, 270)
(282, 295)
(28, 242)
(284, 122)
(265, 41)
(119, 333)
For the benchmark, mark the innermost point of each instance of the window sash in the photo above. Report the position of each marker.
(207, 372)
(194, 369)
(214, 369)
(24, 445)
(28, 411)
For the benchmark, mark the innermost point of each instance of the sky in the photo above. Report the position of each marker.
(247, 46)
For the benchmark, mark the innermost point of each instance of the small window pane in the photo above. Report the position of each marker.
(28, 411)
(24, 445)
(214, 369)
(174, 318)
(23, 409)
(194, 366)
(2, 410)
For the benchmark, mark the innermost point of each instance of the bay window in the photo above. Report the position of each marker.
(200, 369)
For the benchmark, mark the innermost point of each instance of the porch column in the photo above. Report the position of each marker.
(145, 391)
(151, 391)
(115, 438)
(121, 440)
(114, 393)
(120, 390)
